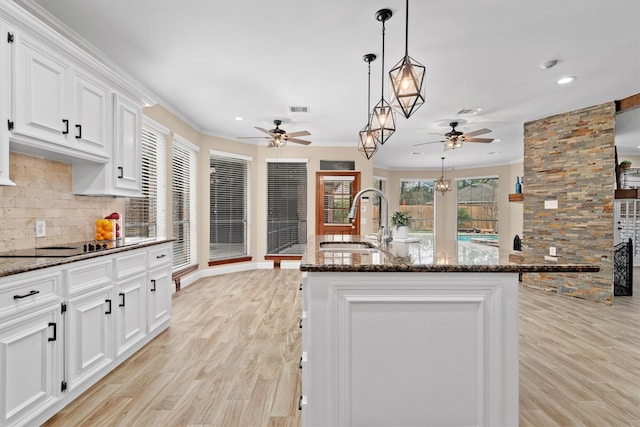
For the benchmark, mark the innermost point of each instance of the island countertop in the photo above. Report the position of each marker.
(418, 255)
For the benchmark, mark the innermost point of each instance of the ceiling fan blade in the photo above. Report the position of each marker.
(299, 133)
(253, 137)
(425, 143)
(298, 141)
(477, 140)
(477, 132)
(264, 130)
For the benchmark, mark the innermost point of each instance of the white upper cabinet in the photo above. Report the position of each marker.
(5, 105)
(56, 106)
(127, 148)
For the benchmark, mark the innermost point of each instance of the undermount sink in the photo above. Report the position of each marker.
(356, 247)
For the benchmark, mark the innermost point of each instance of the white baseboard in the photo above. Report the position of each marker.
(226, 269)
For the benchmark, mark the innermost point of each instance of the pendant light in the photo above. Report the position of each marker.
(384, 120)
(407, 79)
(442, 185)
(367, 141)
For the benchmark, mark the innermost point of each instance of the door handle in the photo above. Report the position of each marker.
(108, 301)
(79, 134)
(122, 295)
(55, 331)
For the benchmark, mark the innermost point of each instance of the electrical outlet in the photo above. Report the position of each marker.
(41, 230)
(552, 250)
(551, 204)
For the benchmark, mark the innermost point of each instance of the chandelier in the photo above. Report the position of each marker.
(442, 185)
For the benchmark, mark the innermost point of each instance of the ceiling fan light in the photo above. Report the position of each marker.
(407, 81)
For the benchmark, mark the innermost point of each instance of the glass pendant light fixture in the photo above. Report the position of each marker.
(384, 120)
(367, 139)
(407, 79)
(442, 185)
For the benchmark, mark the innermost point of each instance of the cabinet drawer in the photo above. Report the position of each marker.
(91, 274)
(32, 291)
(159, 255)
(130, 263)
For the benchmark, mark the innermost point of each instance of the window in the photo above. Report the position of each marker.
(228, 178)
(478, 210)
(378, 183)
(145, 216)
(183, 190)
(416, 197)
(286, 206)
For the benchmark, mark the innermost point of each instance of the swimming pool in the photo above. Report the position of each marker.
(468, 237)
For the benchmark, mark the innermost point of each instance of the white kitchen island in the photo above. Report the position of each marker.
(388, 341)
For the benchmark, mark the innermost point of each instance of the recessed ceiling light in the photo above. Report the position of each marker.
(471, 111)
(417, 153)
(493, 153)
(497, 140)
(238, 118)
(566, 80)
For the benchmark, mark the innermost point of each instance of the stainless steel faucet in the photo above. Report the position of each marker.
(386, 238)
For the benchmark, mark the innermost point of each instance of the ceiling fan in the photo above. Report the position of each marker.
(455, 138)
(279, 137)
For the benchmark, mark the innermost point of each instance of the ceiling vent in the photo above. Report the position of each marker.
(468, 111)
(299, 109)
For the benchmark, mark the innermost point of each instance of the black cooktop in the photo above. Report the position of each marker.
(67, 249)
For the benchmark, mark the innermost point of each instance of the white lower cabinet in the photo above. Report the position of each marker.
(63, 328)
(159, 298)
(131, 324)
(88, 335)
(30, 356)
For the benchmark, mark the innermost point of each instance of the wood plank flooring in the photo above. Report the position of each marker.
(230, 358)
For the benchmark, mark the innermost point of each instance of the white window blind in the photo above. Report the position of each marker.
(228, 190)
(145, 216)
(183, 184)
(286, 207)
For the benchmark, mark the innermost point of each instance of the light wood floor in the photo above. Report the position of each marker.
(230, 358)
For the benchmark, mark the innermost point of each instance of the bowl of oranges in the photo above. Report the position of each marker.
(105, 229)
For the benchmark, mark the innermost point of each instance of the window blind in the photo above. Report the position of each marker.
(183, 184)
(286, 207)
(228, 207)
(145, 216)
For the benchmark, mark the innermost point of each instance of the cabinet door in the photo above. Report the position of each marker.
(91, 116)
(131, 321)
(159, 298)
(5, 107)
(40, 92)
(88, 327)
(30, 356)
(127, 146)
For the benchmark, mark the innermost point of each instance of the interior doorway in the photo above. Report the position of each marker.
(335, 191)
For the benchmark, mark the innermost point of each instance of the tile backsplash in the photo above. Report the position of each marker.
(43, 192)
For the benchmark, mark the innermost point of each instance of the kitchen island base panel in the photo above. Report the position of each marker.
(411, 349)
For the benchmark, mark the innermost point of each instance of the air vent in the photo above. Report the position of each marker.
(468, 111)
(299, 109)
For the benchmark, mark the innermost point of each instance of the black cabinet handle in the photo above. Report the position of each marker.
(300, 365)
(300, 324)
(120, 172)
(55, 331)
(161, 256)
(122, 295)
(300, 404)
(66, 126)
(79, 134)
(300, 285)
(26, 295)
(108, 301)
(153, 282)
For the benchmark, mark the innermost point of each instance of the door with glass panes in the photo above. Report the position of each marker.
(335, 191)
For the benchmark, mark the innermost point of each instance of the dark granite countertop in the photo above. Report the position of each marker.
(11, 266)
(418, 255)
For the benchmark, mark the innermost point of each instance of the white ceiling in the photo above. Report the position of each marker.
(210, 61)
